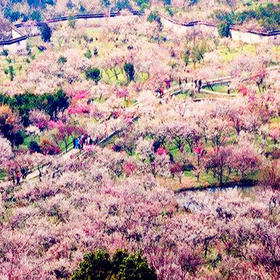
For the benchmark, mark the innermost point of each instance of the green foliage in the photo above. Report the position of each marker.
(71, 22)
(28, 49)
(40, 3)
(11, 14)
(70, 5)
(95, 266)
(122, 266)
(187, 57)
(223, 16)
(46, 32)
(268, 16)
(34, 11)
(11, 72)
(33, 3)
(193, 2)
(62, 59)
(93, 74)
(55, 103)
(153, 16)
(16, 138)
(15, 16)
(167, 2)
(24, 103)
(224, 29)
(129, 71)
(170, 11)
(143, 3)
(5, 52)
(24, 17)
(88, 54)
(82, 9)
(34, 146)
(197, 52)
(123, 4)
(106, 3)
(36, 15)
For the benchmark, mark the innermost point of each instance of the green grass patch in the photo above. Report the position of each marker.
(275, 120)
(217, 88)
(114, 76)
(143, 77)
(2, 174)
(188, 173)
(30, 138)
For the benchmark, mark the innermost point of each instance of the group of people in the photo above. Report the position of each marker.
(16, 176)
(82, 140)
(193, 87)
(196, 85)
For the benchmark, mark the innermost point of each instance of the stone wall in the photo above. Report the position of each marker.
(14, 48)
(237, 35)
(253, 38)
(179, 29)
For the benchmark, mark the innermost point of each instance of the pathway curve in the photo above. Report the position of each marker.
(172, 91)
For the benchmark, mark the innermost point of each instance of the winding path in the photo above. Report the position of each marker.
(172, 91)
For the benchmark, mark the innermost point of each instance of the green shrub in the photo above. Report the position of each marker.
(5, 52)
(34, 147)
(153, 16)
(12, 15)
(193, 2)
(129, 71)
(88, 54)
(167, 2)
(93, 74)
(170, 11)
(122, 266)
(72, 22)
(17, 138)
(52, 104)
(106, 3)
(186, 57)
(224, 29)
(62, 59)
(36, 15)
(267, 15)
(82, 9)
(123, 4)
(46, 32)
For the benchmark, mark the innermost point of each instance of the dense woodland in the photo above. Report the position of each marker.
(122, 158)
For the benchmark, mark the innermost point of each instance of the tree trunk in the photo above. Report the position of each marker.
(221, 176)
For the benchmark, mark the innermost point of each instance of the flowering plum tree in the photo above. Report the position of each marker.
(6, 150)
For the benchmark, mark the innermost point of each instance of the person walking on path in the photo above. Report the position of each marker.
(228, 88)
(199, 85)
(192, 89)
(81, 142)
(18, 177)
(75, 142)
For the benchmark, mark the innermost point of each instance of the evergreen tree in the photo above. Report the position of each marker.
(122, 266)
(46, 32)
